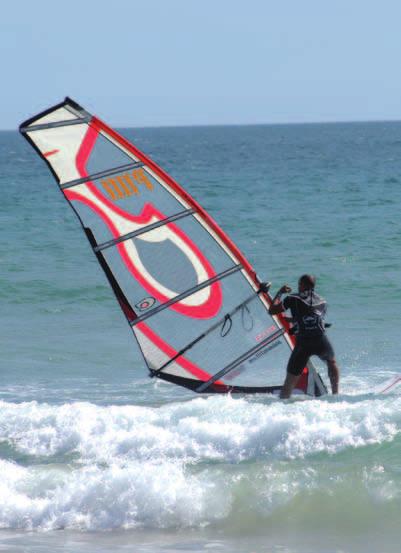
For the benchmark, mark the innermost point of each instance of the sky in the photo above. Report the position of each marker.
(202, 62)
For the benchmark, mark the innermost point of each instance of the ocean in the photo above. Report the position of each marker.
(97, 457)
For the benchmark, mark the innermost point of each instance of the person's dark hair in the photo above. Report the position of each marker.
(308, 281)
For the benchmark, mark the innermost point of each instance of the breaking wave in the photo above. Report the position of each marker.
(208, 461)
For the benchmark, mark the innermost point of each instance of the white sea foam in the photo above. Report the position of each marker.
(95, 497)
(186, 464)
(204, 429)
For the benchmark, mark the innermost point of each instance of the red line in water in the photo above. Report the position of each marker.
(391, 385)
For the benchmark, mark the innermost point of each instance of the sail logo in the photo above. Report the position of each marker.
(265, 333)
(145, 303)
(127, 184)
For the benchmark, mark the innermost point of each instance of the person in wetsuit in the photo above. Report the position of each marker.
(308, 310)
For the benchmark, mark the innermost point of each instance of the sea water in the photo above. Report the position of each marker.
(95, 456)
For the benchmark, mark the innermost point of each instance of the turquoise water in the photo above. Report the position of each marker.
(89, 445)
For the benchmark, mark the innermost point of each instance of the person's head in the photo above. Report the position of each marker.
(306, 282)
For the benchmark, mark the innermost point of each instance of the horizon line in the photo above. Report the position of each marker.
(278, 123)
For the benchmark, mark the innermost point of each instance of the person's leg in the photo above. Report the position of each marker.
(288, 386)
(326, 352)
(296, 363)
(334, 375)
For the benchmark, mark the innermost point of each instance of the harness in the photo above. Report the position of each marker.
(308, 310)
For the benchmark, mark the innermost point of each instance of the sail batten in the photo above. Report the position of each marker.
(267, 341)
(187, 293)
(107, 173)
(220, 323)
(192, 299)
(56, 124)
(145, 229)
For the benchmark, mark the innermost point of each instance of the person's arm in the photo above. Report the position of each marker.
(276, 305)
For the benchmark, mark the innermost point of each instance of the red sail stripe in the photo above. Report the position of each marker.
(50, 153)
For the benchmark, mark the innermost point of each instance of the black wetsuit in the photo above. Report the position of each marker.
(308, 310)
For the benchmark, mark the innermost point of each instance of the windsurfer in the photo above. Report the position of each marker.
(308, 310)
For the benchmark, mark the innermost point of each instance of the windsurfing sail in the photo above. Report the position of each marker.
(191, 298)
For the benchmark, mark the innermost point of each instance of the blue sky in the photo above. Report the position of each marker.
(183, 62)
